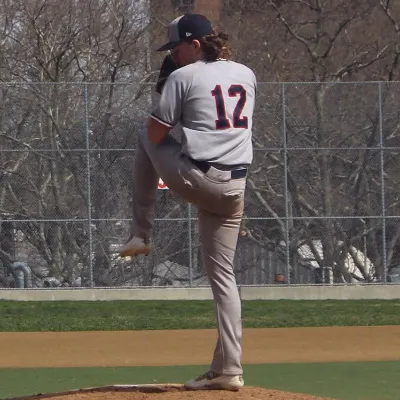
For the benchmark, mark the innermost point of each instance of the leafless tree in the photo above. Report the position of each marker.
(76, 82)
(323, 161)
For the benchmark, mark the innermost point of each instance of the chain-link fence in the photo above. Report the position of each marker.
(322, 204)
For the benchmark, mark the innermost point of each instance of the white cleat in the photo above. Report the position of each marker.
(213, 381)
(134, 247)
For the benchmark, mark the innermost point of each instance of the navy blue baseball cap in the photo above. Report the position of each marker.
(186, 28)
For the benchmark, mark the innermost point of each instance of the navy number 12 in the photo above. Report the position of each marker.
(238, 121)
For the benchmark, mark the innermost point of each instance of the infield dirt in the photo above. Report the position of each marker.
(194, 347)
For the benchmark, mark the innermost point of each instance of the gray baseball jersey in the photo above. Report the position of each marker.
(213, 102)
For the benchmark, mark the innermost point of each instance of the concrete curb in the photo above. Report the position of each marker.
(276, 292)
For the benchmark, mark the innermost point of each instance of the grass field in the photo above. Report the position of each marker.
(145, 315)
(345, 381)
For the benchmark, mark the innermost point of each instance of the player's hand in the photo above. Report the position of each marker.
(167, 67)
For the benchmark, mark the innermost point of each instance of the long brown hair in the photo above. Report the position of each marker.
(216, 46)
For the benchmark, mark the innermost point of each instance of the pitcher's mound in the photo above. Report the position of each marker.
(169, 392)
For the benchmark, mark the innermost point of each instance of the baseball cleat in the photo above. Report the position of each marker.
(134, 247)
(213, 381)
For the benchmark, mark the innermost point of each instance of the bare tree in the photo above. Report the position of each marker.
(47, 44)
(76, 86)
(307, 180)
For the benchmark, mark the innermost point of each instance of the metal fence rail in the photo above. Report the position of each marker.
(322, 204)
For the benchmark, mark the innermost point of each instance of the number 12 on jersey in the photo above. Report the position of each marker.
(223, 121)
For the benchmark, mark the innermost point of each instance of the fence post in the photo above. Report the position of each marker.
(89, 192)
(286, 190)
(190, 244)
(383, 197)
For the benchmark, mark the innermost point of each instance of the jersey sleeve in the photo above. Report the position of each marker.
(169, 109)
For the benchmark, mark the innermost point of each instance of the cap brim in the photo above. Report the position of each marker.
(168, 46)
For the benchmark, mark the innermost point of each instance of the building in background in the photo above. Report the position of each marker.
(210, 8)
(164, 11)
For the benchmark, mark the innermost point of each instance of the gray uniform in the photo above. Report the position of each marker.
(212, 103)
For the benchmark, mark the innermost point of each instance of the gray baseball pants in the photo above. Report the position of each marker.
(219, 200)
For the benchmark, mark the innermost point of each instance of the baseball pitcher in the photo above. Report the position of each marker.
(211, 99)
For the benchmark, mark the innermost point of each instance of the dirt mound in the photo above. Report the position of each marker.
(169, 392)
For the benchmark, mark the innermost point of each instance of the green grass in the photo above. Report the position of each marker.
(151, 315)
(344, 381)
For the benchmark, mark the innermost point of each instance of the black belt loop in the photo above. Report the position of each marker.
(239, 173)
(205, 166)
